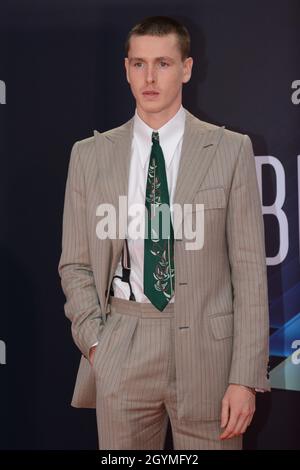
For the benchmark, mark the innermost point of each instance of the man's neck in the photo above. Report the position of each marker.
(157, 120)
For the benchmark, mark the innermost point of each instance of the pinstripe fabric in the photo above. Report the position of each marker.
(221, 306)
(136, 384)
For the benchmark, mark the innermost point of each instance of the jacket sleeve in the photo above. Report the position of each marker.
(82, 304)
(246, 249)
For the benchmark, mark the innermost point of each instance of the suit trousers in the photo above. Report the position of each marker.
(135, 375)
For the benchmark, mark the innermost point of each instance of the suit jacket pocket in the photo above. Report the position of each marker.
(221, 325)
(212, 198)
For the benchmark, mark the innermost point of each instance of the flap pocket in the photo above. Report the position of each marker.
(212, 198)
(222, 325)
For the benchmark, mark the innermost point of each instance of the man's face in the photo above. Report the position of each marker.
(154, 64)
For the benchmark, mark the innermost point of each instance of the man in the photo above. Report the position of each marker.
(187, 336)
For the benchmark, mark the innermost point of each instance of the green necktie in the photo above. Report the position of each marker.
(159, 273)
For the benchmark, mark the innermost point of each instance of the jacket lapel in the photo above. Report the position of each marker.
(199, 145)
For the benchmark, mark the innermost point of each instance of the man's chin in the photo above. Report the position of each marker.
(151, 107)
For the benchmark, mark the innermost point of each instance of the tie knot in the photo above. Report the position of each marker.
(155, 137)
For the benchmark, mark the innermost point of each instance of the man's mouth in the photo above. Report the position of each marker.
(150, 94)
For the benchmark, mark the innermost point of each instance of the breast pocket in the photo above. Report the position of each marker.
(211, 198)
(201, 214)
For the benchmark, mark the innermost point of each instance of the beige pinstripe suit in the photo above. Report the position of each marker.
(221, 308)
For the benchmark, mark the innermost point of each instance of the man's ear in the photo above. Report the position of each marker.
(187, 69)
(126, 62)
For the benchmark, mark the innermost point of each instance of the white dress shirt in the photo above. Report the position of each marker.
(170, 139)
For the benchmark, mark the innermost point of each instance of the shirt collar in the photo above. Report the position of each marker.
(169, 136)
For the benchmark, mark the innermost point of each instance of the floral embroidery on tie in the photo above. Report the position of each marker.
(159, 271)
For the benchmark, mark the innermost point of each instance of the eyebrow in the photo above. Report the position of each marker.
(140, 59)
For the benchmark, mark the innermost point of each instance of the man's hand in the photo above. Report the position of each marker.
(238, 407)
(92, 354)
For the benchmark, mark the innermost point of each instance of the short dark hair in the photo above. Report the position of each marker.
(161, 26)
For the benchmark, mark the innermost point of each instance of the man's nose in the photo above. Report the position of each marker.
(150, 76)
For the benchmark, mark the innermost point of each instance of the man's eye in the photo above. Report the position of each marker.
(140, 63)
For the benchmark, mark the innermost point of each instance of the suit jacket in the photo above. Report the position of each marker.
(221, 298)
